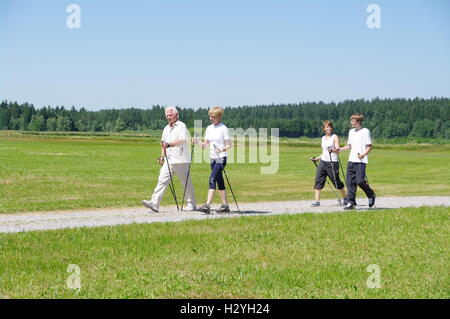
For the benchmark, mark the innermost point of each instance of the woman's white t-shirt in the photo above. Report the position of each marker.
(326, 143)
(216, 135)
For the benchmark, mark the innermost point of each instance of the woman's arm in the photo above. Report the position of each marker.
(336, 142)
(227, 145)
(205, 143)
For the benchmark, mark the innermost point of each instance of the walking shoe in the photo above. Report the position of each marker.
(315, 204)
(205, 209)
(372, 200)
(150, 205)
(190, 207)
(345, 201)
(224, 208)
(349, 206)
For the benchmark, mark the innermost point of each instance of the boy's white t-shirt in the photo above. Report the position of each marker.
(217, 135)
(358, 141)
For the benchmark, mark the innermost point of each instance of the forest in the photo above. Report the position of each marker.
(387, 118)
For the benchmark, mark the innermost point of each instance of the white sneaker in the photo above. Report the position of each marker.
(150, 205)
(190, 207)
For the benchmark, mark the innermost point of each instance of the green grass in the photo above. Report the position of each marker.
(285, 256)
(288, 256)
(52, 172)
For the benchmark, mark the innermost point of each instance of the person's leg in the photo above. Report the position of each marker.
(332, 171)
(221, 186)
(215, 169)
(210, 196)
(317, 194)
(222, 162)
(361, 180)
(181, 170)
(211, 190)
(212, 182)
(163, 181)
(319, 182)
(223, 196)
(351, 183)
(340, 184)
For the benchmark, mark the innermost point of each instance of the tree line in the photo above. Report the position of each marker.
(387, 118)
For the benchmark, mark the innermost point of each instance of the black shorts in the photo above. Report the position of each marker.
(325, 169)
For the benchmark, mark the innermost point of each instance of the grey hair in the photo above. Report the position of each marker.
(169, 108)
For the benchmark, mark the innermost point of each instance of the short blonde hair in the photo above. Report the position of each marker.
(358, 117)
(216, 112)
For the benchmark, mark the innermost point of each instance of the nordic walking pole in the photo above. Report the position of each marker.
(229, 185)
(187, 178)
(172, 186)
(334, 174)
(342, 169)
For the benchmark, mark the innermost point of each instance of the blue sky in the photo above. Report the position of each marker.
(202, 53)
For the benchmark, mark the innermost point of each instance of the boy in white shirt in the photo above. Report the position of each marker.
(360, 144)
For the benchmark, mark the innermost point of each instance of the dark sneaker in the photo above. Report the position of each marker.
(150, 205)
(204, 209)
(372, 200)
(345, 201)
(349, 206)
(315, 204)
(224, 208)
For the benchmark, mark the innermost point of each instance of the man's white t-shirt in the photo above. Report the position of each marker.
(358, 141)
(176, 154)
(216, 135)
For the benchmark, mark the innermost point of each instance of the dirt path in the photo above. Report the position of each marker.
(116, 216)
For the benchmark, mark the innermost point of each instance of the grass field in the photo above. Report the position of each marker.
(284, 256)
(67, 171)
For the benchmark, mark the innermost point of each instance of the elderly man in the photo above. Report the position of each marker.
(175, 144)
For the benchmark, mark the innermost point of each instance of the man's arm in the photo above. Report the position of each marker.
(162, 155)
(367, 151)
(174, 143)
(344, 148)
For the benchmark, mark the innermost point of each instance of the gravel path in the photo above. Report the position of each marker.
(117, 216)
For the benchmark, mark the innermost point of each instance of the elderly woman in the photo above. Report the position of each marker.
(217, 136)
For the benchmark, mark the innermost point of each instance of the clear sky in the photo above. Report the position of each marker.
(199, 53)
